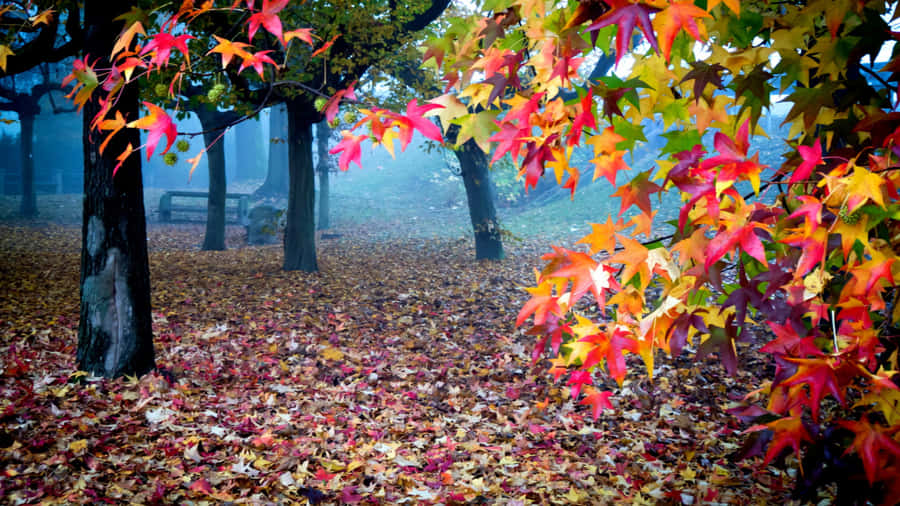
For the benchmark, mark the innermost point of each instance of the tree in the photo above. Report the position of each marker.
(115, 335)
(353, 49)
(323, 135)
(817, 263)
(26, 105)
(276, 182)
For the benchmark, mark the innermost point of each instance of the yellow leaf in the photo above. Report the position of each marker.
(4, 52)
(43, 18)
(77, 446)
(452, 109)
(332, 354)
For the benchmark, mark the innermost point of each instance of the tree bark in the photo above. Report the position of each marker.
(28, 208)
(115, 335)
(323, 133)
(300, 230)
(476, 176)
(277, 179)
(215, 158)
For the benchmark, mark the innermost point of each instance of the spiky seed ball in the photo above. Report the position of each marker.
(349, 118)
(320, 103)
(215, 92)
(161, 90)
(182, 145)
(848, 217)
(170, 158)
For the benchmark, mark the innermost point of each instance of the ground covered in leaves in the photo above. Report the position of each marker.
(392, 376)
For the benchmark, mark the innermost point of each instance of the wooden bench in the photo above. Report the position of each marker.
(240, 211)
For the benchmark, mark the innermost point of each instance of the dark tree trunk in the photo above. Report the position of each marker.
(28, 209)
(276, 182)
(300, 230)
(476, 176)
(323, 133)
(215, 153)
(115, 335)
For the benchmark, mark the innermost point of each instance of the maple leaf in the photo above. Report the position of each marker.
(679, 15)
(542, 303)
(703, 73)
(256, 61)
(268, 19)
(812, 156)
(870, 443)
(349, 149)
(86, 81)
(124, 40)
(577, 379)
(5, 52)
(625, 17)
(637, 192)
(478, 126)
(304, 34)
(602, 236)
(819, 375)
(584, 118)
(42, 18)
(161, 46)
(325, 47)
(598, 401)
(332, 106)
(157, 124)
(451, 109)
(788, 431)
(229, 50)
(414, 118)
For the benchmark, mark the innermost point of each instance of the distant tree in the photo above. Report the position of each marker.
(276, 182)
(324, 167)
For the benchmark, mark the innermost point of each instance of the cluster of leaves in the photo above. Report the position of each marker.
(393, 376)
(817, 264)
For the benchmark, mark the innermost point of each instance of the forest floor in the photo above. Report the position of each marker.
(394, 375)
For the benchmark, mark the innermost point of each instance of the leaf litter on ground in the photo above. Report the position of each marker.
(392, 376)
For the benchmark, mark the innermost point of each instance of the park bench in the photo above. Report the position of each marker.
(239, 211)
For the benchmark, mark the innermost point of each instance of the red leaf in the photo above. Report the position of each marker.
(870, 443)
(788, 431)
(625, 16)
(819, 375)
(157, 124)
(812, 156)
(349, 149)
(268, 18)
(598, 401)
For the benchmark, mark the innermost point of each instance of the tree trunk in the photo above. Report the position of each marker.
(323, 133)
(300, 230)
(476, 176)
(215, 214)
(249, 155)
(28, 209)
(115, 335)
(276, 182)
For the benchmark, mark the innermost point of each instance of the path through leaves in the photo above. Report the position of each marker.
(393, 376)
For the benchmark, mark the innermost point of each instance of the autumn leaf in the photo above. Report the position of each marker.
(788, 431)
(256, 60)
(229, 50)
(268, 19)
(349, 149)
(679, 15)
(157, 124)
(5, 52)
(162, 44)
(871, 442)
(625, 16)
